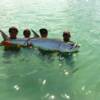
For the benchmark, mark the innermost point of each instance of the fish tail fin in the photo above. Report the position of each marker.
(4, 36)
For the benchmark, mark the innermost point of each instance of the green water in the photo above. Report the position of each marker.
(28, 75)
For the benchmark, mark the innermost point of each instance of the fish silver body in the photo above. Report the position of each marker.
(47, 44)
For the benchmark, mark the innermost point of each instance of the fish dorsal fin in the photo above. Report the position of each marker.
(35, 34)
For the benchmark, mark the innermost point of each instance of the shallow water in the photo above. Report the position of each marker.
(29, 75)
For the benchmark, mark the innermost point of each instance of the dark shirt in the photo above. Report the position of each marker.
(12, 48)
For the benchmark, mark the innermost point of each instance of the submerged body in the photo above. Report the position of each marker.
(47, 44)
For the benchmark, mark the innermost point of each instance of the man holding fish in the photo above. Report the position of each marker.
(38, 41)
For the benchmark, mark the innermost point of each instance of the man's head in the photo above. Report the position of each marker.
(26, 33)
(66, 36)
(43, 32)
(13, 31)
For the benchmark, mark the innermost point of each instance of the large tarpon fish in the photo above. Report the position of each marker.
(47, 44)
